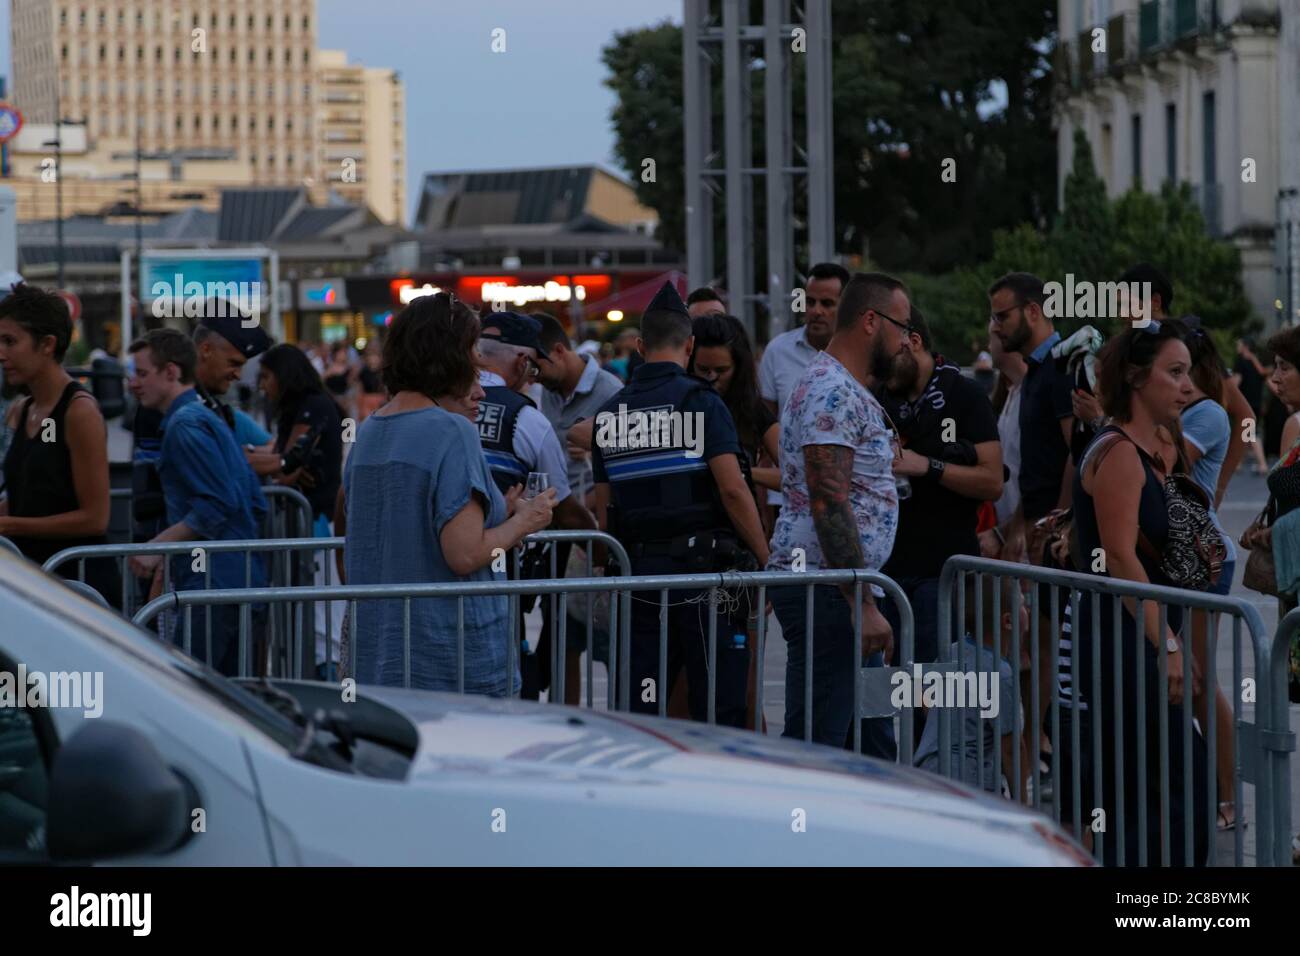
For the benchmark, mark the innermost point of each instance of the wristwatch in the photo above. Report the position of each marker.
(936, 468)
(1172, 645)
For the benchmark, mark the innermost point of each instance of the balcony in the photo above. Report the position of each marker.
(1209, 198)
(1121, 41)
(1151, 37)
(1163, 23)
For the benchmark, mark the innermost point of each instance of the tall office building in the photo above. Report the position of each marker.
(194, 74)
(1205, 92)
(361, 122)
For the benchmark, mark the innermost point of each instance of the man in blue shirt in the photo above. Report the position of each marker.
(210, 492)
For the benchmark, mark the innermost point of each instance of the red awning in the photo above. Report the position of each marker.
(635, 298)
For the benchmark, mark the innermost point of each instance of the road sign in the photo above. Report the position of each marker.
(11, 121)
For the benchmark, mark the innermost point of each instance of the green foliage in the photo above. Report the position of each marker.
(646, 76)
(1097, 239)
(913, 84)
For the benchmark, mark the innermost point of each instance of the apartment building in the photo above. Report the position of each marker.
(180, 74)
(1199, 91)
(361, 119)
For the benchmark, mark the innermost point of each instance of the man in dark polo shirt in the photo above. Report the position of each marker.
(1046, 411)
(953, 459)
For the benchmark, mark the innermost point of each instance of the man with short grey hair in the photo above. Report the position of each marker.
(576, 388)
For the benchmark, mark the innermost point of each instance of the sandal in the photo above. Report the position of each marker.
(1224, 823)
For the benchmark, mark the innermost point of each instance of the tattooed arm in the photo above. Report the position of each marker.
(830, 471)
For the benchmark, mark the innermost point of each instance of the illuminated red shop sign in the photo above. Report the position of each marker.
(513, 292)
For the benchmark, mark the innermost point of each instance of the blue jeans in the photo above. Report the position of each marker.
(833, 676)
(923, 595)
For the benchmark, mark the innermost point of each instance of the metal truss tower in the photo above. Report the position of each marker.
(740, 47)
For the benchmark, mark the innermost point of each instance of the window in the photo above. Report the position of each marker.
(306, 57)
(306, 24)
(103, 52)
(250, 21)
(176, 57)
(1171, 142)
(157, 54)
(121, 53)
(63, 17)
(270, 24)
(270, 55)
(1136, 133)
(63, 53)
(139, 54)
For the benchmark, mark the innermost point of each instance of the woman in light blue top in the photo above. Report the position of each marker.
(1206, 432)
(421, 507)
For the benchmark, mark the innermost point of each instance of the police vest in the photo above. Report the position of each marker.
(498, 413)
(657, 492)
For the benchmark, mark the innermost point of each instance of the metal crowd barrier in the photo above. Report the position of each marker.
(7, 545)
(1262, 748)
(288, 623)
(288, 514)
(618, 689)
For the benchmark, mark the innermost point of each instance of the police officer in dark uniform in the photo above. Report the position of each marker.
(669, 486)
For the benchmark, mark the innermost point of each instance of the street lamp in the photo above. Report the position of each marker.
(57, 143)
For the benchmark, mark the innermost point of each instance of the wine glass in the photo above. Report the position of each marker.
(538, 481)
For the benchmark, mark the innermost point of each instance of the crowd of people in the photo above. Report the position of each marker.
(849, 442)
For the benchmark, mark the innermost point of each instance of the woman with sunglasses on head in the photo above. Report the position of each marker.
(421, 506)
(56, 465)
(1207, 433)
(1120, 511)
(723, 357)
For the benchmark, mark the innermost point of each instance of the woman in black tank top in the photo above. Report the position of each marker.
(1143, 383)
(56, 468)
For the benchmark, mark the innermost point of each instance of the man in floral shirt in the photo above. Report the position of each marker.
(841, 509)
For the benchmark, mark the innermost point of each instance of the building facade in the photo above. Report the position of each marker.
(182, 74)
(100, 176)
(1205, 92)
(361, 118)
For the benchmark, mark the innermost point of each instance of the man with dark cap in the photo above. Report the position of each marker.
(669, 487)
(518, 439)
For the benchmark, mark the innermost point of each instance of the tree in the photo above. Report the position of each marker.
(1084, 238)
(913, 85)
